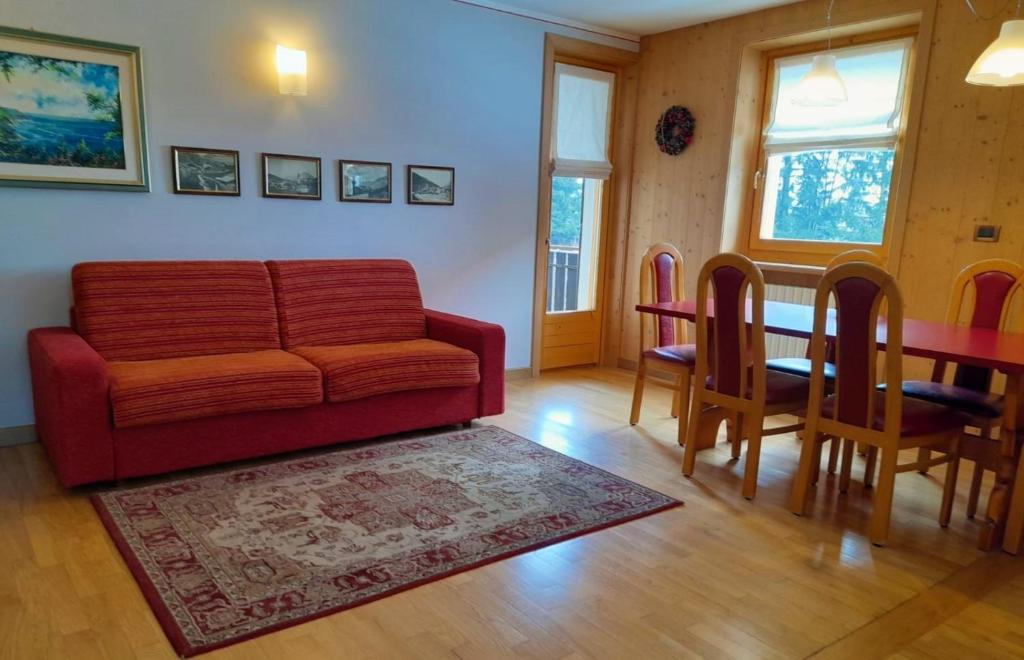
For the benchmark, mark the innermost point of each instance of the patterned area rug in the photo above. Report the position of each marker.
(228, 556)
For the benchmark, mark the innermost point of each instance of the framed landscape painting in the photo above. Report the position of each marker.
(430, 185)
(205, 171)
(71, 113)
(291, 177)
(364, 181)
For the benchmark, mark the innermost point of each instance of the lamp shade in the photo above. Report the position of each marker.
(822, 86)
(1002, 63)
(291, 71)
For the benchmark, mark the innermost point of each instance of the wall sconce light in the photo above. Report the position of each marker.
(291, 71)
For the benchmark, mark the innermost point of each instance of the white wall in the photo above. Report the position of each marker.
(406, 81)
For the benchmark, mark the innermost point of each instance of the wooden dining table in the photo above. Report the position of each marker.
(982, 347)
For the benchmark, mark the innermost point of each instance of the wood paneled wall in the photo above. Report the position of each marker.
(969, 167)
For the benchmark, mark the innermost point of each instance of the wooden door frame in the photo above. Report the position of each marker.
(559, 48)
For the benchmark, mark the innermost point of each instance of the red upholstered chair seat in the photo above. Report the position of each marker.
(779, 387)
(979, 404)
(680, 353)
(919, 417)
(175, 389)
(359, 370)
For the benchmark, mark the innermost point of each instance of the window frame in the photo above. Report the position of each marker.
(818, 253)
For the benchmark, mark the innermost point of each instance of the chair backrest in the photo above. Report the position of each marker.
(736, 341)
(858, 290)
(661, 280)
(852, 256)
(989, 286)
(849, 257)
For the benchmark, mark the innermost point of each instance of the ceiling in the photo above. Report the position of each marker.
(636, 17)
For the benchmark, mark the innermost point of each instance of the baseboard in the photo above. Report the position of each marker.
(17, 435)
(519, 374)
(627, 364)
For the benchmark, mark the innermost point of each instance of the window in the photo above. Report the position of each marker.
(575, 235)
(825, 174)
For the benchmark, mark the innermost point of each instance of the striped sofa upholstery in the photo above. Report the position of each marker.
(176, 364)
(359, 370)
(336, 302)
(171, 390)
(362, 322)
(147, 310)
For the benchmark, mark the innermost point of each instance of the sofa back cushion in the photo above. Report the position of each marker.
(337, 302)
(147, 310)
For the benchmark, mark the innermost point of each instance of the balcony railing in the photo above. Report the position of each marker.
(563, 278)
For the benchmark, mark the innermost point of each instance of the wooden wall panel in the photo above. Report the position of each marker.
(969, 167)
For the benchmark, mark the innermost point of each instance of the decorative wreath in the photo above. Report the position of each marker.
(675, 130)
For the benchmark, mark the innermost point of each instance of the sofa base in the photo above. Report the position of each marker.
(147, 450)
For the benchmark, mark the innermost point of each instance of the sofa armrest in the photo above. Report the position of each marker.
(487, 340)
(72, 405)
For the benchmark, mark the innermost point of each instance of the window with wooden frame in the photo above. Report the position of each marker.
(826, 175)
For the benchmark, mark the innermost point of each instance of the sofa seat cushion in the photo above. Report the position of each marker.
(175, 389)
(355, 371)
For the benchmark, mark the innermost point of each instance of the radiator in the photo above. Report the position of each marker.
(776, 345)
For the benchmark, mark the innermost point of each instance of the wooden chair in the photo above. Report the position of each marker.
(802, 366)
(730, 374)
(661, 280)
(856, 410)
(988, 287)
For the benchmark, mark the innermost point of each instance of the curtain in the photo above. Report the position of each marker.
(582, 117)
(874, 76)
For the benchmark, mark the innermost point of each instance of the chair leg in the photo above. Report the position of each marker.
(816, 466)
(638, 392)
(949, 488)
(883, 497)
(833, 454)
(869, 466)
(847, 466)
(684, 405)
(753, 457)
(923, 456)
(975, 492)
(737, 435)
(690, 450)
(675, 398)
(810, 460)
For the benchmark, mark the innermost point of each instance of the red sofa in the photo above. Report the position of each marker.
(176, 364)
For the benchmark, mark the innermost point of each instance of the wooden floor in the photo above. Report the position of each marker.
(719, 577)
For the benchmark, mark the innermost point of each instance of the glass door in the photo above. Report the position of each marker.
(581, 124)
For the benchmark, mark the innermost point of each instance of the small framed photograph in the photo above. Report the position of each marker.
(291, 177)
(199, 171)
(365, 181)
(426, 184)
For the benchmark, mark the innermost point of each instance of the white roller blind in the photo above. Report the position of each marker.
(874, 76)
(582, 115)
